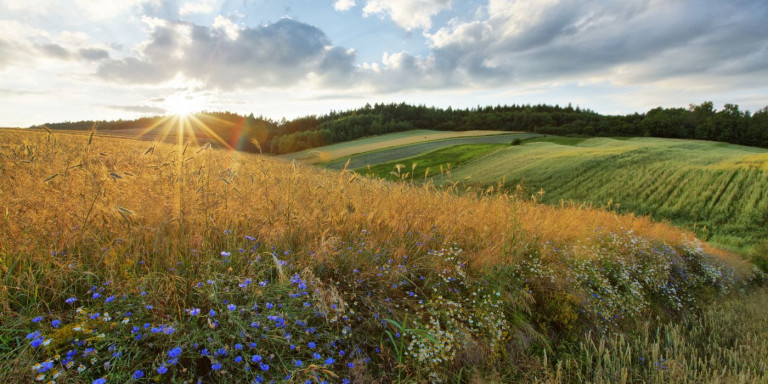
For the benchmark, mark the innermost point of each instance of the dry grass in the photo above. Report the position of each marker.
(69, 192)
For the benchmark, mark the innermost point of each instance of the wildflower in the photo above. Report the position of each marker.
(264, 367)
(110, 299)
(316, 356)
(238, 359)
(256, 358)
(329, 361)
(162, 369)
(96, 295)
(149, 306)
(194, 311)
(56, 323)
(298, 363)
(238, 346)
(204, 352)
(225, 253)
(311, 344)
(138, 374)
(231, 307)
(216, 366)
(70, 300)
(37, 319)
(211, 313)
(100, 380)
(174, 352)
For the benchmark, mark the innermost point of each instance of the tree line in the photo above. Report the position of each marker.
(729, 124)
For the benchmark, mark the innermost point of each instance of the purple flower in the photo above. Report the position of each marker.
(225, 253)
(56, 323)
(211, 313)
(110, 299)
(138, 374)
(96, 295)
(194, 311)
(162, 369)
(37, 319)
(216, 366)
(70, 300)
(231, 307)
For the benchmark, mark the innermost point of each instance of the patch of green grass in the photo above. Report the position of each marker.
(718, 190)
(405, 151)
(448, 158)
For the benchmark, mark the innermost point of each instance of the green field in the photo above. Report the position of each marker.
(430, 163)
(350, 148)
(719, 190)
(405, 151)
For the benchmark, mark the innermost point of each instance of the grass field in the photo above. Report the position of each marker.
(719, 190)
(431, 163)
(354, 147)
(128, 261)
(405, 151)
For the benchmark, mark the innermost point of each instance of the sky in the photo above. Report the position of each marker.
(94, 59)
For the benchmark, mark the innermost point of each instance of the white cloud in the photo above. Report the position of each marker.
(407, 14)
(224, 24)
(343, 5)
(198, 7)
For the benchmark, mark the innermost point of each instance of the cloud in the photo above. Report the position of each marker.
(55, 51)
(278, 54)
(199, 7)
(139, 109)
(93, 54)
(407, 14)
(518, 42)
(343, 5)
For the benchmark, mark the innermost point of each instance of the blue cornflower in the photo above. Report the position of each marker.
(33, 335)
(204, 352)
(37, 342)
(238, 346)
(269, 305)
(264, 367)
(162, 369)
(70, 300)
(96, 295)
(148, 306)
(194, 311)
(256, 358)
(329, 361)
(351, 364)
(231, 307)
(238, 359)
(110, 299)
(298, 363)
(311, 344)
(316, 356)
(138, 374)
(216, 366)
(100, 380)
(174, 352)
(211, 313)
(37, 319)
(225, 253)
(221, 352)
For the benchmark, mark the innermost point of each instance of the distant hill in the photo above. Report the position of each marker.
(703, 122)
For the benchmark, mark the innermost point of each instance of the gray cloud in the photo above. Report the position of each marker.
(277, 54)
(93, 54)
(644, 40)
(55, 51)
(139, 109)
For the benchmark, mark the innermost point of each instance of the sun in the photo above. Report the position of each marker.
(184, 104)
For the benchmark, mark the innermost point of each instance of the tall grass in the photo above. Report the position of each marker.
(104, 239)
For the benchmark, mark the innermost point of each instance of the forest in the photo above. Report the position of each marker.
(703, 121)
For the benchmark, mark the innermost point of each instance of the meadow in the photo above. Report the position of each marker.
(404, 151)
(130, 261)
(718, 190)
(353, 147)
